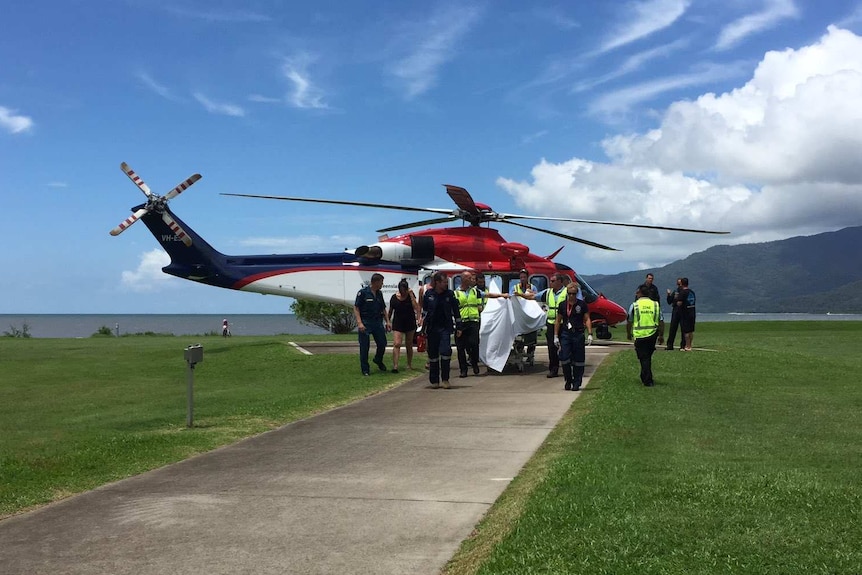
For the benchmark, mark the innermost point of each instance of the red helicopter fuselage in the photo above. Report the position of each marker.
(484, 250)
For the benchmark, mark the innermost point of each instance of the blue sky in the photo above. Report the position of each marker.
(740, 115)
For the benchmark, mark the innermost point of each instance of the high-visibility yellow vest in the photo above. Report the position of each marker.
(468, 303)
(646, 314)
(554, 302)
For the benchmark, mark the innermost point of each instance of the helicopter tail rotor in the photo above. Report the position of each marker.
(155, 204)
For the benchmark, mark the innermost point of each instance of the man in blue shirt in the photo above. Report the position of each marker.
(371, 320)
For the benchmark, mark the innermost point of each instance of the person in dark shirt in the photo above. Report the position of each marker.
(403, 313)
(651, 289)
(685, 303)
(573, 330)
(672, 298)
(440, 318)
(370, 312)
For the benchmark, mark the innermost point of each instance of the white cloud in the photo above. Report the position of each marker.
(237, 16)
(633, 63)
(798, 119)
(13, 122)
(855, 17)
(156, 87)
(148, 276)
(304, 94)
(219, 108)
(774, 11)
(534, 136)
(646, 17)
(430, 44)
(616, 103)
(556, 17)
(263, 99)
(775, 157)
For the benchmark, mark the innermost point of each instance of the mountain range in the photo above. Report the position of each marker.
(805, 274)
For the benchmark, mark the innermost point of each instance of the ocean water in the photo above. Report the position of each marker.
(85, 325)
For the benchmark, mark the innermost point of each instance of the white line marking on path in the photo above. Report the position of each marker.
(301, 349)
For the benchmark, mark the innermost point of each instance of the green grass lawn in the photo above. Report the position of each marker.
(78, 413)
(747, 459)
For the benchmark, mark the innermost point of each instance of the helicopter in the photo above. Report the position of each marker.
(336, 277)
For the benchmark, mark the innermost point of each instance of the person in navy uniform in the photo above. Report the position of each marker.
(552, 297)
(440, 317)
(570, 325)
(371, 320)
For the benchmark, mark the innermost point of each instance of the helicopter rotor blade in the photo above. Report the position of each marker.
(136, 179)
(462, 199)
(564, 236)
(418, 224)
(175, 227)
(507, 217)
(128, 222)
(182, 187)
(344, 203)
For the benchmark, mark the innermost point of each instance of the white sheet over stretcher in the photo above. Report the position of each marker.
(502, 321)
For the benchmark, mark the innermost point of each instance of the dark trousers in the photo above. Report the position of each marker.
(439, 354)
(644, 348)
(573, 357)
(553, 357)
(378, 332)
(674, 325)
(468, 346)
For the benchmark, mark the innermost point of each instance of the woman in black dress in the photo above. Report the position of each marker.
(403, 311)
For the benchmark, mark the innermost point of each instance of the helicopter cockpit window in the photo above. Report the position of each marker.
(534, 281)
(494, 283)
(541, 282)
(588, 293)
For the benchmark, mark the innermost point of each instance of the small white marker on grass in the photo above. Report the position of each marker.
(301, 349)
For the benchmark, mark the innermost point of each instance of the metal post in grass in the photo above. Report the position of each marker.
(193, 354)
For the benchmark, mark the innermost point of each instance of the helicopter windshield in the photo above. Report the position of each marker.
(589, 294)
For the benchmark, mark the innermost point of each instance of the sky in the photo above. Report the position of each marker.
(736, 115)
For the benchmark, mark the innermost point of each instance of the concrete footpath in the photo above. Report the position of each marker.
(388, 485)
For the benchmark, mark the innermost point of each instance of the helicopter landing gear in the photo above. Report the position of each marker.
(602, 331)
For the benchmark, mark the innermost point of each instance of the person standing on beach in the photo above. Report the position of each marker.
(225, 328)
